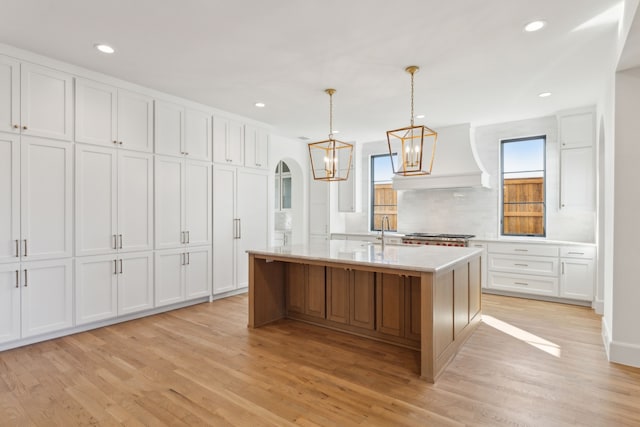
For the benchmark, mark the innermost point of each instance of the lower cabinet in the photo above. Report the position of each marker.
(306, 290)
(577, 276)
(35, 298)
(351, 297)
(111, 285)
(182, 274)
(398, 305)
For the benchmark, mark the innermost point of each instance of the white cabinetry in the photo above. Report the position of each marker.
(347, 193)
(114, 200)
(183, 202)
(228, 141)
(577, 165)
(256, 147)
(108, 286)
(36, 298)
(106, 115)
(180, 131)
(542, 269)
(35, 100)
(36, 212)
(483, 260)
(577, 277)
(182, 274)
(240, 223)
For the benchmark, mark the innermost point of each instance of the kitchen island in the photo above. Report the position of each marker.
(422, 297)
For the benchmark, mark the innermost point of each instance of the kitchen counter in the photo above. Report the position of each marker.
(423, 297)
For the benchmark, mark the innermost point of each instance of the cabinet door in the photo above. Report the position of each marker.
(577, 188)
(9, 95)
(9, 302)
(460, 299)
(220, 126)
(338, 280)
(47, 297)
(296, 287)
(362, 299)
(198, 203)
(347, 193)
(235, 143)
(96, 288)
(10, 243)
(390, 304)
(46, 102)
(577, 279)
(197, 135)
(135, 201)
(224, 229)
(198, 272)
(169, 202)
(135, 121)
(169, 273)
(252, 214)
(256, 147)
(315, 292)
(96, 198)
(577, 130)
(96, 105)
(135, 282)
(412, 318)
(46, 198)
(318, 208)
(169, 128)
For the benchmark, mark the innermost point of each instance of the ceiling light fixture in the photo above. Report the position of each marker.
(104, 48)
(406, 145)
(534, 26)
(420, 116)
(330, 159)
(544, 94)
(260, 104)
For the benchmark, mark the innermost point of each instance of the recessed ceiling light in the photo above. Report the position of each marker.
(544, 94)
(534, 26)
(260, 104)
(420, 116)
(104, 48)
(336, 131)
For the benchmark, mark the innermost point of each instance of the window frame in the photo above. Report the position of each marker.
(544, 182)
(372, 198)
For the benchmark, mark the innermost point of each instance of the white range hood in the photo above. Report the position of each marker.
(455, 165)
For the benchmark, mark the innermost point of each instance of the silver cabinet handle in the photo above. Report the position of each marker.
(25, 248)
(239, 228)
(120, 245)
(26, 278)
(188, 258)
(563, 267)
(522, 265)
(521, 250)
(114, 241)
(17, 248)
(188, 236)
(575, 253)
(17, 278)
(235, 228)
(120, 265)
(182, 254)
(115, 266)
(521, 283)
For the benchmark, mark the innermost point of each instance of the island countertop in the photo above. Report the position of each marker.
(430, 259)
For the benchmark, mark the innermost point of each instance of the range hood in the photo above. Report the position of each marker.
(455, 165)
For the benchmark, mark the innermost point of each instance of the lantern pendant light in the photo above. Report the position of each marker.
(408, 145)
(330, 159)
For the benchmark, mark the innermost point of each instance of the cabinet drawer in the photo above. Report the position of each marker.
(547, 266)
(540, 285)
(587, 252)
(523, 249)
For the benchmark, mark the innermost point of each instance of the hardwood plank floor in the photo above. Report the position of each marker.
(529, 363)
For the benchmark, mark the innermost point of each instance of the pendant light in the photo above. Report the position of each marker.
(407, 145)
(330, 159)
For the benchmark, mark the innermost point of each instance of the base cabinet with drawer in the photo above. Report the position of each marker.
(542, 269)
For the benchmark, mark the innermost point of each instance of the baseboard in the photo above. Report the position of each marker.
(624, 353)
(606, 337)
(536, 297)
(598, 307)
(230, 293)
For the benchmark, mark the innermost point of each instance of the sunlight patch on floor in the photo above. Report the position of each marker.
(522, 335)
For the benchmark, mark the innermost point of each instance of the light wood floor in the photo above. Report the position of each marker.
(202, 366)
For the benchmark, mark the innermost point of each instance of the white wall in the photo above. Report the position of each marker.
(476, 210)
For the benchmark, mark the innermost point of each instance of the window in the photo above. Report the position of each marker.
(384, 199)
(523, 186)
(283, 186)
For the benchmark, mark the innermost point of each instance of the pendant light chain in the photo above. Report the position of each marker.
(330, 115)
(412, 72)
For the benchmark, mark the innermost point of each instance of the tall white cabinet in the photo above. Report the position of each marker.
(240, 223)
(577, 160)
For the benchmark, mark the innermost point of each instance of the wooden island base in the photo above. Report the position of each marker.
(433, 312)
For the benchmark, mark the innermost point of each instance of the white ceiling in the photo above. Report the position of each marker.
(477, 64)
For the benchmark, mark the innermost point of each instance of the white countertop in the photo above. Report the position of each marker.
(403, 257)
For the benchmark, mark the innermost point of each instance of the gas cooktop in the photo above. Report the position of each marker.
(439, 235)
